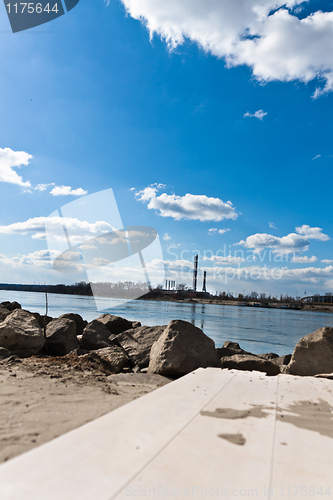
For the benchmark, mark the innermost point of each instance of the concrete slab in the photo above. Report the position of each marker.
(211, 433)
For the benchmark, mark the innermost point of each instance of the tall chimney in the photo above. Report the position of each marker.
(204, 282)
(195, 273)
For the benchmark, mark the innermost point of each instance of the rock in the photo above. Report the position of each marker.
(4, 312)
(229, 349)
(282, 360)
(79, 321)
(181, 349)
(250, 362)
(137, 343)
(61, 337)
(21, 334)
(268, 355)
(41, 319)
(112, 358)
(313, 354)
(115, 324)
(95, 336)
(11, 306)
(136, 324)
(4, 353)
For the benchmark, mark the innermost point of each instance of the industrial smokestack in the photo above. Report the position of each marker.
(195, 273)
(204, 282)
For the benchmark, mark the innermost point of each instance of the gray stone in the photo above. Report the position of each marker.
(61, 337)
(21, 334)
(181, 349)
(313, 354)
(137, 343)
(79, 321)
(115, 324)
(113, 359)
(249, 362)
(95, 336)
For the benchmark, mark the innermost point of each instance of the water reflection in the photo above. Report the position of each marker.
(198, 315)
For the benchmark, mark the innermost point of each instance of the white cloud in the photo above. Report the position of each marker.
(9, 160)
(79, 230)
(293, 242)
(312, 233)
(166, 237)
(258, 114)
(67, 190)
(265, 35)
(43, 187)
(272, 225)
(214, 230)
(317, 156)
(327, 261)
(303, 260)
(190, 206)
(228, 259)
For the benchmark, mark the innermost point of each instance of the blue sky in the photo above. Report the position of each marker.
(222, 101)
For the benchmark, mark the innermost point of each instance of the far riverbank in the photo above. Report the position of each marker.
(256, 329)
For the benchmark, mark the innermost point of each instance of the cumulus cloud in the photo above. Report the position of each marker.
(79, 230)
(9, 160)
(297, 259)
(258, 114)
(327, 261)
(67, 190)
(190, 206)
(266, 35)
(166, 237)
(293, 242)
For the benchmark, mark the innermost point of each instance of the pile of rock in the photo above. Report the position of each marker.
(171, 350)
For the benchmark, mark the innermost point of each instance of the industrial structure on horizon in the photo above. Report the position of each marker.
(170, 285)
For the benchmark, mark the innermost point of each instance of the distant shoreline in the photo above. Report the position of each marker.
(83, 289)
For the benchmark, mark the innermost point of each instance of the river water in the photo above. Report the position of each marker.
(256, 330)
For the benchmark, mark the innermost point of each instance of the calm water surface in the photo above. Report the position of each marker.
(256, 330)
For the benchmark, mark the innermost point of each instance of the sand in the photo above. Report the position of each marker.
(43, 398)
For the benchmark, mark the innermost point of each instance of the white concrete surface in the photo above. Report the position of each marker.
(213, 433)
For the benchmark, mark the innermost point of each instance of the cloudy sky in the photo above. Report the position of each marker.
(211, 120)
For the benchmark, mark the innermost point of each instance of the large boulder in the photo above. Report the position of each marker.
(115, 324)
(313, 354)
(181, 349)
(138, 342)
(250, 362)
(113, 359)
(61, 337)
(95, 336)
(79, 321)
(21, 334)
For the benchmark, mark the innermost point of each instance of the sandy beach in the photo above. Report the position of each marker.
(43, 398)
